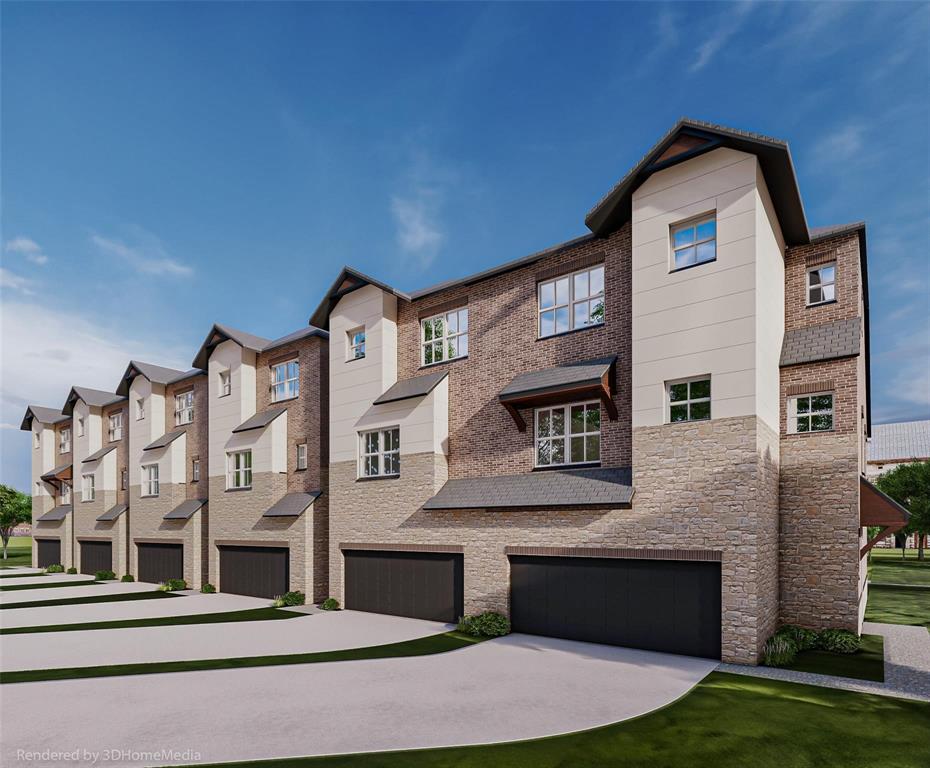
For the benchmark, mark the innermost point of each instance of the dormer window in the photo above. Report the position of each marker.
(821, 284)
(694, 242)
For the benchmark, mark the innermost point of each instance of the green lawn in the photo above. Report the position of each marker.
(727, 720)
(423, 646)
(112, 598)
(868, 663)
(51, 585)
(898, 605)
(251, 614)
(19, 552)
(887, 567)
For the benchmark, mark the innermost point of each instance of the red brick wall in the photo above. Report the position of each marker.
(197, 432)
(122, 450)
(844, 249)
(839, 376)
(502, 318)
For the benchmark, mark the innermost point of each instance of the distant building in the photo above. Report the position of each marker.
(895, 444)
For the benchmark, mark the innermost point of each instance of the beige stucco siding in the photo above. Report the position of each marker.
(229, 411)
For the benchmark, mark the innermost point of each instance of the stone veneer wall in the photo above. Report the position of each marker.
(148, 525)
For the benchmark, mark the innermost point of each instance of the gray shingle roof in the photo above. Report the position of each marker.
(219, 333)
(112, 513)
(597, 486)
(43, 414)
(55, 472)
(99, 454)
(185, 510)
(291, 504)
(165, 439)
(904, 440)
(157, 374)
(418, 386)
(56, 514)
(96, 398)
(553, 379)
(822, 233)
(261, 419)
(821, 342)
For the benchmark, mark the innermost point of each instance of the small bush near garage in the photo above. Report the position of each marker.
(104, 575)
(128, 577)
(839, 641)
(72, 571)
(56, 568)
(172, 585)
(806, 639)
(330, 604)
(489, 624)
(208, 589)
(779, 650)
(294, 598)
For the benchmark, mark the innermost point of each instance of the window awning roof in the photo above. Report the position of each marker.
(99, 454)
(814, 343)
(59, 473)
(877, 509)
(291, 504)
(260, 420)
(165, 439)
(590, 379)
(185, 510)
(418, 386)
(112, 513)
(56, 514)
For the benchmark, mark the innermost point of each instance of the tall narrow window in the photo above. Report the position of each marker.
(239, 470)
(80, 426)
(811, 413)
(140, 408)
(356, 344)
(124, 480)
(36, 440)
(195, 470)
(65, 494)
(225, 383)
(115, 431)
(571, 301)
(64, 441)
(150, 480)
(568, 434)
(689, 400)
(380, 453)
(694, 242)
(285, 381)
(301, 456)
(88, 491)
(821, 284)
(184, 408)
(444, 337)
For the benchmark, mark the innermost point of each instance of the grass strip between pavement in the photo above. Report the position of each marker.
(51, 585)
(20, 575)
(423, 646)
(110, 598)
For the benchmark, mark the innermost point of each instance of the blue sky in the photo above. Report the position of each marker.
(170, 165)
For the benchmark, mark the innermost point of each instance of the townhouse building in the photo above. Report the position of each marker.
(643, 436)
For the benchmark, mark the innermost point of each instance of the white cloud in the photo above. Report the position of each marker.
(28, 248)
(841, 145)
(726, 25)
(416, 221)
(13, 282)
(149, 258)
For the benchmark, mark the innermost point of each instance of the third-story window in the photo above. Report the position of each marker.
(821, 284)
(64, 441)
(140, 409)
(694, 242)
(195, 470)
(444, 337)
(88, 492)
(285, 381)
(124, 480)
(115, 430)
(356, 344)
(689, 400)
(184, 408)
(301, 456)
(811, 413)
(571, 301)
(36, 440)
(225, 383)
(65, 494)
(150, 480)
(568, 434)
(80, 426)
(239, 470)
(380, 453)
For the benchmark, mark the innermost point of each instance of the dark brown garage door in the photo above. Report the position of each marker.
(49, 552)
(160, 562)
(96, 556)
(256, 571)
(658, 605)
(422, 585)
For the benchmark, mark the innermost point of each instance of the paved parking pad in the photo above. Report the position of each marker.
(50, 578)
(518, 687)
(67, 593)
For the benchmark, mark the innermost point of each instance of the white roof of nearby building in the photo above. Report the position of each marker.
(902, 441)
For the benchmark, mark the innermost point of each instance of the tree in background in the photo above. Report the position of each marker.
(15, 509)
(909, 485)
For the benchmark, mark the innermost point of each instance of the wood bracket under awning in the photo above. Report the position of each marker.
(58, 475)
(879, 509)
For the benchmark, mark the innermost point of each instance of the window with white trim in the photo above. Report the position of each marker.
(356, 343)
(694, 242)
(195, 470)
(444, 337)
(568, 434)
(36, 440)
(184, 408)
(64, 440)
(380, 453)
(150, 480)
(115, 430)
(140, 408)
(571, 301)
(811, 413)
(688, 399)
(80, 426)
(124, 480)
(88, 491)
(301, 456)
(821, 284)
(225, 383)
(285, 381)
(239, 469)
(65, 494)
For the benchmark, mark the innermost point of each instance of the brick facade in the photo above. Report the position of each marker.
(197, 432)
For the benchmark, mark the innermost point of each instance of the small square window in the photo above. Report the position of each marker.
(356, 343)
(444, 337)
(821, 284)
(302, 456)
(811, 413)
(688, 400)
(694, 242)
(570, 302)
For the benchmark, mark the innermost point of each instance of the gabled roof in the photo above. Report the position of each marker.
(95, 398)
(220, 333)
(43, 415)
(157, 374)
(349, 280)
(417, 386)
(689, 138)
(260, 420)
(903, 441)
(96, 455)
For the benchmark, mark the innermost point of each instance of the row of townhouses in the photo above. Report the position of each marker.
(652, 435)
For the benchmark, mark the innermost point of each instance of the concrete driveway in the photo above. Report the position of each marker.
(77, 590)
(518, 687)
(49, 578)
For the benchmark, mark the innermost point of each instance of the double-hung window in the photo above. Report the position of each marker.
(444, 337)
(821, 284)
(811, 413)
(184, 408)
(356, 344)
(380, 453)
(124, 480)
(285, 381)
(694, 242)
(64, 441)
(301, 456)
(115, 430)
(88, 492)
(195, 470)
(225, 383)
(150, 480)
(568, 434)
(689, 400)
(36, 440)
(65, 494)
(239, 470)
(140, 408)
(80, 426)
(571, 301)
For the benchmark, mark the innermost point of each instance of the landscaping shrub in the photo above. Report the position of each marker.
(278, 602)
(487, 624)
(104, 575)
(805, 639)
(839, 641)
(128, 577)
(57, 569)
(208, 589)
(330, 604)
(294, 598)
(172, 585)
(779, 650)
(72, 571)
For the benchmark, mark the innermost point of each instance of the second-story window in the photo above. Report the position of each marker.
(380, 453)
(195, 470)
(115, 431)
(225, 383)
(88, 491)
(694, 242)
(150, 480)
(140, 408)
(356, 344)
(444, 337)
(64, 441)
(184, 408)
(124, 480)
(572, 301)
(285, 381)
(301, 456)
(821, 284)
(239, 469)
(568, 434)
(811, 413)
(65, 495)
(80, 426)
(689, 400)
